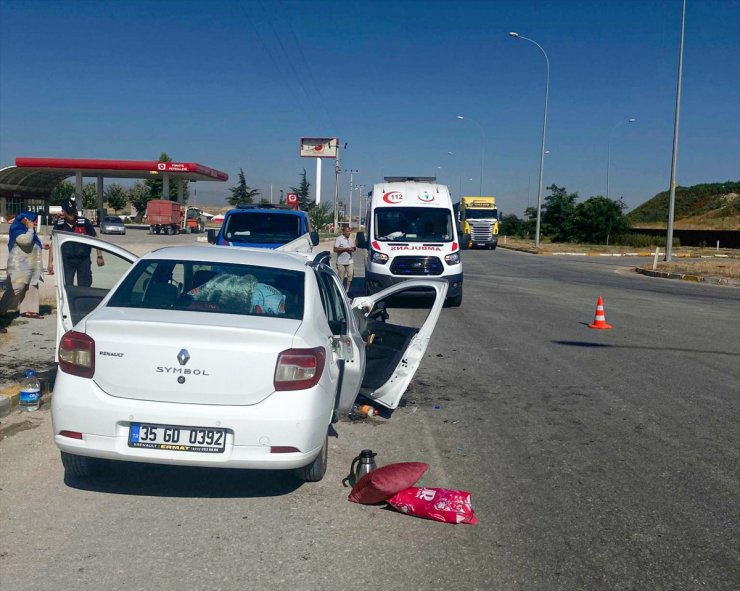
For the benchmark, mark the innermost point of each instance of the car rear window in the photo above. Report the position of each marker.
(261, 227)
(217, 288)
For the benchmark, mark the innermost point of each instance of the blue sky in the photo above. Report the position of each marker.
(236, 84)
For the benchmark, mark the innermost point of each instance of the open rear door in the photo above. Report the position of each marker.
(77, 293)
(393, 352)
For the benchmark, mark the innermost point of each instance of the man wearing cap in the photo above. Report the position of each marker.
(76, 260)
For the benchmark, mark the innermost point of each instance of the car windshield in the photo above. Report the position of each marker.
(413, 224)
(477, 214)
(218, 288)
(261, 227)
(112, 220)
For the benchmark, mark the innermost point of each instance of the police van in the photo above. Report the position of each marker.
(411, 233)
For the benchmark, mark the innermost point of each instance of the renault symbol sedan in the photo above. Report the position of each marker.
(220, 357)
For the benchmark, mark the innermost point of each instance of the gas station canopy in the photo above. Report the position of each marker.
(36, 177)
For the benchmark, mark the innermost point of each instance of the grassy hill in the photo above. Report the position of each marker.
(706, 206)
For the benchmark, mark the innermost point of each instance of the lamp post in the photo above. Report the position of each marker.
(482, 149)
(544, 131)
(360, 217)
(609, 149)
(674, 158)
(351, 172)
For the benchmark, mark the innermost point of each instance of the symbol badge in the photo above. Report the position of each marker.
(183, 356)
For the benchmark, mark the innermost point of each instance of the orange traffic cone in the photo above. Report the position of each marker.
(599, 319)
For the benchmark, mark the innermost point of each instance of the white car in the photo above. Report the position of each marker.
(220, 357)
(112, 225)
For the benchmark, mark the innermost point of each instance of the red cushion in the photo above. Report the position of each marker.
(381, 484)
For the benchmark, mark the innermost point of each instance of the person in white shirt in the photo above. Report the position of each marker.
(344, 247)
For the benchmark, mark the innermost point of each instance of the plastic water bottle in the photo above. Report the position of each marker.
(30, 396)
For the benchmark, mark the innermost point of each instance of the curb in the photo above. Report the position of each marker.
(684, 277)
(9, 400)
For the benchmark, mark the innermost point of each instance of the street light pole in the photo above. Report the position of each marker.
(482, 149)
(674, 159)
(544, 131)
(351, 172)
(609, 149)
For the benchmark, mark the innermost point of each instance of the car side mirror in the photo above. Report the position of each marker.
(212, 233)
(361, 240)
(314, 238)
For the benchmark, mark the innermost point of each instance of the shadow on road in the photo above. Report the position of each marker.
(151, 480)
(592, 345)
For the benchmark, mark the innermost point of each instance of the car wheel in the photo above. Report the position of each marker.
(81, 466)
(454, 302)
(315, 470)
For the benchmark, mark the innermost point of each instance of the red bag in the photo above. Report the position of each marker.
(438, 504)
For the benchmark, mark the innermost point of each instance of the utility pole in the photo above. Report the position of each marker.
(674, 159)
(337, 170)
(351, 172)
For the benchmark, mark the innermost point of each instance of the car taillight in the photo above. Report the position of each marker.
(299, 369)
(77, 354)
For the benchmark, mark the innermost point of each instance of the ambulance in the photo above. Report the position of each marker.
(411, 233)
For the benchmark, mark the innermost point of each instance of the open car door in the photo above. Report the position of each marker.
(346, 343)
(77, 293)
(393, 352)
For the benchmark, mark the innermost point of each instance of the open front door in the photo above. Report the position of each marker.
(345, 341)
(393, 352)
(82, 281)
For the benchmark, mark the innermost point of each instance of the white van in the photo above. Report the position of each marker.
(411, 233)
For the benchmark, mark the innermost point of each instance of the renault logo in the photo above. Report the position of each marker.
(183, 356)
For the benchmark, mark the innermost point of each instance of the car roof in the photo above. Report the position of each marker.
(271, 210)
(227, 254)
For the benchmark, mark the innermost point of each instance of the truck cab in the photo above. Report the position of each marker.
(479, 226)
(266, 226)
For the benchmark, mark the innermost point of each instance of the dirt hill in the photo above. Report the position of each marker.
(713, 206)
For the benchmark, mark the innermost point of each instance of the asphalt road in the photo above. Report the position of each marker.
(596, 460)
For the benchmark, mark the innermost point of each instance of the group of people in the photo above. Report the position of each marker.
(25, 267)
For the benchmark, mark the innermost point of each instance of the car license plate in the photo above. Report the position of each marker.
(177, 438)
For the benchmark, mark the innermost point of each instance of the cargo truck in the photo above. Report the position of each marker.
(170, 217)
(478, 222)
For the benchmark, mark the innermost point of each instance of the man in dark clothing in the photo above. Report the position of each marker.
(75, 257)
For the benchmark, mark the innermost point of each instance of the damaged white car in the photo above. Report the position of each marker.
(220, 357)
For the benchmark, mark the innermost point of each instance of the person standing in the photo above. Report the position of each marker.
(76, 261)
(24, 267)
(344, 247)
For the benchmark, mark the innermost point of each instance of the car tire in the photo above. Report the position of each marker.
(456, 301)
(81, 466)
(465, 242)
(316, 470)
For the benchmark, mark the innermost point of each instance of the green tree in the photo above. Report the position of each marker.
(89, 196)
(155, 185)
(557, 218)
(115, 196)
(62, 191)
(138, 197)
(512, 225)
(304, 200)
(320, 215)
(597, 219)
(241, 192)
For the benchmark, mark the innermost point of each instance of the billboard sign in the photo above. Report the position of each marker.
(319, 147)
